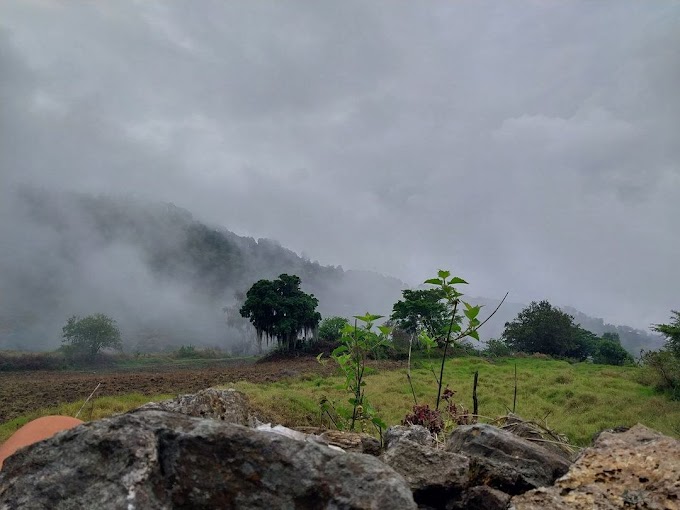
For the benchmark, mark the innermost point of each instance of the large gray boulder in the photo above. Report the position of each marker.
(152, 459)
(505, 461)
(229, 405)
(435, 476)
(416, 433)
(639, 468)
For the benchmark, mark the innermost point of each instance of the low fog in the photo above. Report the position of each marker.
(529, 147)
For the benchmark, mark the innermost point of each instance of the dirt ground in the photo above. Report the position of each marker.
(23, 392)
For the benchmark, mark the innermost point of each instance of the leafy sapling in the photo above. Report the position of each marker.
(458, 328)
(356, 344)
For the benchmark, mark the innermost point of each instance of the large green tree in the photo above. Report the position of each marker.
(88, 336)
(280, 310)
(422, 310)
(540, 327)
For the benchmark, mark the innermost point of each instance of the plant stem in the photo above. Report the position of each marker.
(446, 347)
(357, 380)
(475, 403)
(408, 370)
(514, 398)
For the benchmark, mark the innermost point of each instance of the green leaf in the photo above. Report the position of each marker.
(474, 334)
(434, 281)
(378, 422)
(443, 274)
(368, 317)
(339, 350)
(385, 330)
(455, 280)
(425, 339)
(472, 311)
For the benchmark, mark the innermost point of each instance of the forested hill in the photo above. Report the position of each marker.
(632, 339)
(167, 278)
(163, 275)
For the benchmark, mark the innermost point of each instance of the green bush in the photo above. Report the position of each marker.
(496, 348)
(662, 371)
(187, 352)
(330, 329)
(610, 352)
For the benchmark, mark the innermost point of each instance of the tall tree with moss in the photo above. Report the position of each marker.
(281, 311)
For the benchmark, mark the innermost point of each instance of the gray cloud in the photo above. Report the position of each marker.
(530, 146)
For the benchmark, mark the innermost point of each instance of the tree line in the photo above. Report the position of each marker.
(282, 313)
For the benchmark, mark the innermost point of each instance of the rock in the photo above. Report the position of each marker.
(230, 405)
(504, 461)
(484, 497)
(349, 441)
(151, 459)
(638, 468)
(435, 476)
(416, 433)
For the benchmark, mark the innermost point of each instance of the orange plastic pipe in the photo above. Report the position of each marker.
(34, 431)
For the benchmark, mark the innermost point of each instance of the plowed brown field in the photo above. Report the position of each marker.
(23, 392)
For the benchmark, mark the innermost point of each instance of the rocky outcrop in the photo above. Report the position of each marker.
(194, 452)
(434, 476)
(230, 406)
(505, 461)
(416, 433)
(153, 459)
(639, 468)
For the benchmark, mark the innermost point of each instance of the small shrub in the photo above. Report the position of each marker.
(330, 329)
(187, 352)
(496, 348)
(431, 419)
(662, 371)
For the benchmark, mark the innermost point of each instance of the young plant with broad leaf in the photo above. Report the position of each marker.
(357, 343)
(458, 328)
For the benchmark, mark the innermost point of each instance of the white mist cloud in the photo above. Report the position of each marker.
(529, 146)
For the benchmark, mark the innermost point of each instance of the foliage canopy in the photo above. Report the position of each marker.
(91, 334)
(280, 310)
(422, 309)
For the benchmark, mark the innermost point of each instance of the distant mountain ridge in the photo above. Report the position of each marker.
(166, 277)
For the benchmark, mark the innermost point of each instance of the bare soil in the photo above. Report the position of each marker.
(23, 392)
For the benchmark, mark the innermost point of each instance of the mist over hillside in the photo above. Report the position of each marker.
(167, 278)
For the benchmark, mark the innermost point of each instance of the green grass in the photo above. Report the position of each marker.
(576, 400)
(95, 409)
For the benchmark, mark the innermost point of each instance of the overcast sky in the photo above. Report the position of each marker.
(531, 146)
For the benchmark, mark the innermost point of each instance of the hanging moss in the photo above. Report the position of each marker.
(279, 310)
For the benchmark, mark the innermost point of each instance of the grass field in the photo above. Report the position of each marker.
(577, 400)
